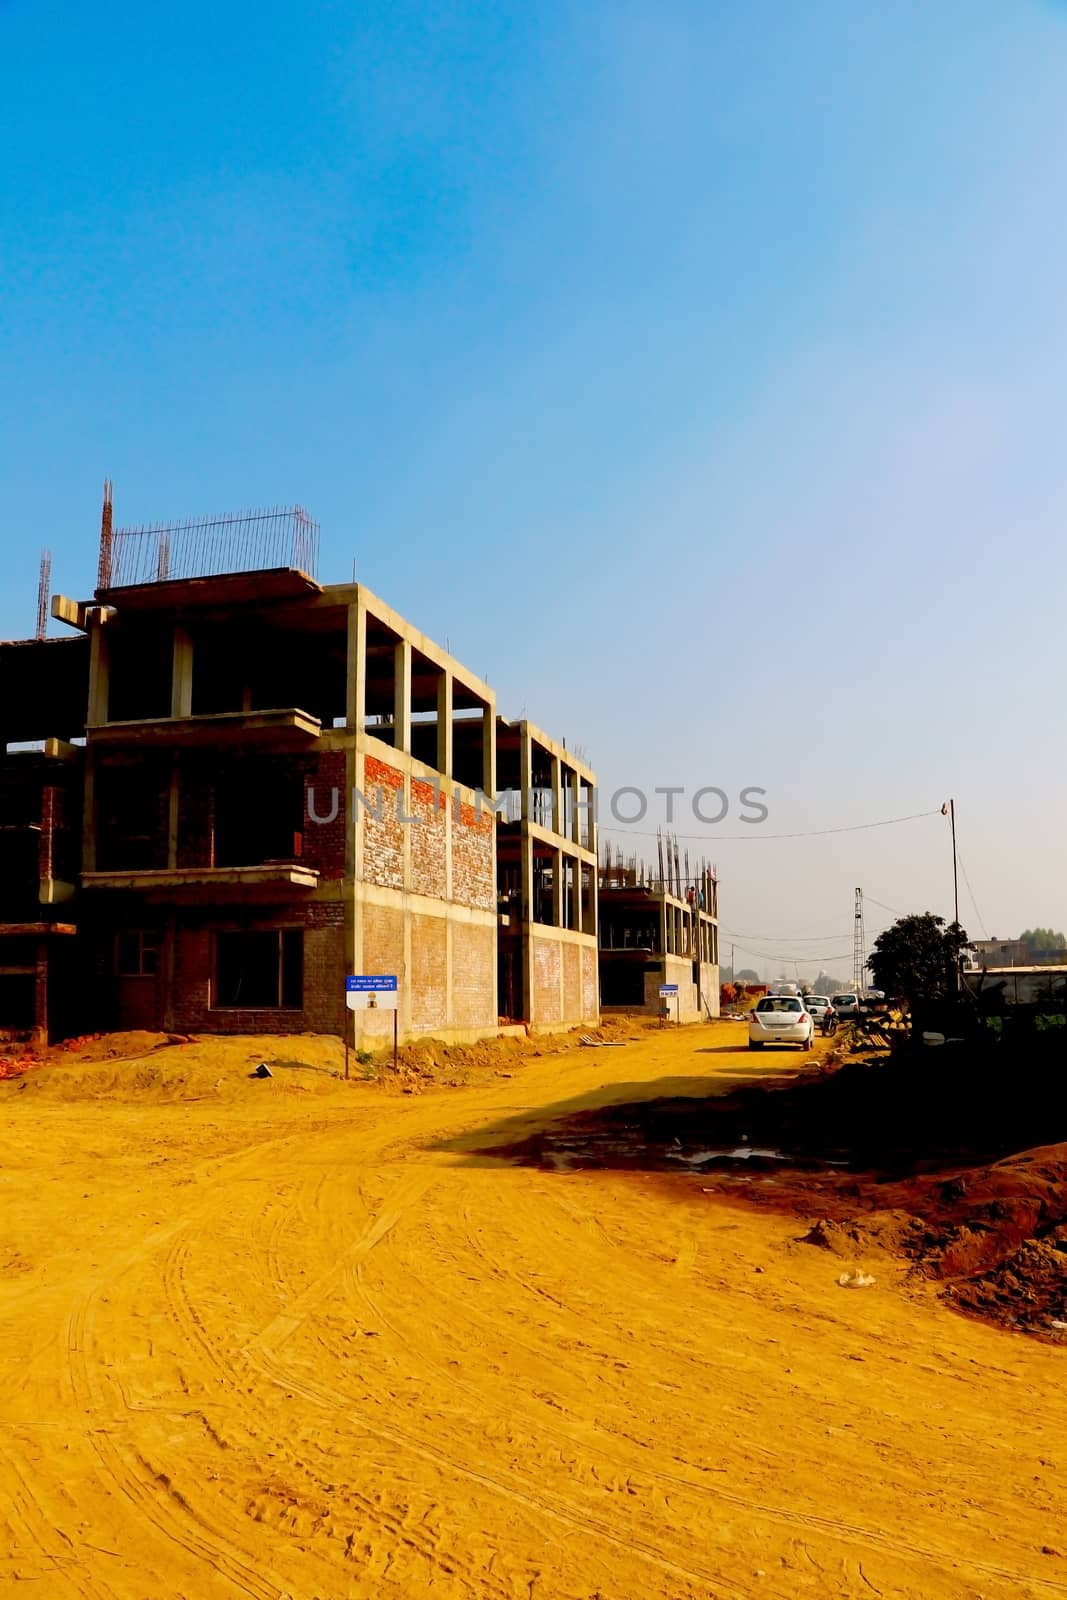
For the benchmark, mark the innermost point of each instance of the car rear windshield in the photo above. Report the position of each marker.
(782, 1003)
(844, 999)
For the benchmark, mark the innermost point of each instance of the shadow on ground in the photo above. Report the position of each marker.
(954, 1158)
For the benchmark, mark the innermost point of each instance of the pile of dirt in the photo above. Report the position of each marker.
(995, 1236)
(129, 1046)
(161, 1066)
(431, 1061)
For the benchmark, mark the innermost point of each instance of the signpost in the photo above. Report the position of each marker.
(373, 992)
(667, 993)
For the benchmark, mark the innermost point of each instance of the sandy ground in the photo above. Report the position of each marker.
(297, 1338)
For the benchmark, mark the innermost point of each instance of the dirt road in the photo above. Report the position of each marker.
(312, 1345)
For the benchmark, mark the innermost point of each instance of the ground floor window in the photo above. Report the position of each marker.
(259, 971)
(136, 953)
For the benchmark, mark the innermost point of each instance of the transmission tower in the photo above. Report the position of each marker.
(859, 946)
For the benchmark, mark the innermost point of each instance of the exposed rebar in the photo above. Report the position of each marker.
(207, 547)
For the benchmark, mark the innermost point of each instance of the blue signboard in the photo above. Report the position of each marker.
(371, 992)
(668, 988)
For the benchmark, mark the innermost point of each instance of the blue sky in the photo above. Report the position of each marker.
(696, 370)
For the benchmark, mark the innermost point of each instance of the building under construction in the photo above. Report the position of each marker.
(546, 879)
(659, 931)
(247, 785)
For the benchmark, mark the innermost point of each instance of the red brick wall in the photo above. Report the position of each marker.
(51, 819)
(572, 983)
(590, 985)
(473, 859)
(324, 842)
(324, 970)
(428, 839)
(473, 975)
(383, 842)
(383, 938)
(546, 965)
(429, 997)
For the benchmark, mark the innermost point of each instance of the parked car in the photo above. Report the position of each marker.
(847, 1006)
(780, 1019)
(818, 1005)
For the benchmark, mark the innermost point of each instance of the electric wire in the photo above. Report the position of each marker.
(809, 833)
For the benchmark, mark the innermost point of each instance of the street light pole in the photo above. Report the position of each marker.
(950, 809)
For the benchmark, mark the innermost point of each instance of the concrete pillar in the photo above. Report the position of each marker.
(96, 715)
(402, 697)
(356, 673)
(526, 772)
(576, 815)
(557, 888)
(40, 995)
(526, 903)
(173, 804)
(489, 751)
(99, 669)
(181, 682)
(589, 913)
(557, 794)
(168, 967)
(444, 724)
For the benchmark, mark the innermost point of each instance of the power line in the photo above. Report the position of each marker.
(974, 902)
(781, 955)
(893, 912)
(781, 938)
(776, 938)
(810, 833)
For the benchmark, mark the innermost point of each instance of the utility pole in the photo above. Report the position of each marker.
(949, 809)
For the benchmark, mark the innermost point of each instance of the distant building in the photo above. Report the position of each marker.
(1013, 953)
(1019, 985)
(655, 933)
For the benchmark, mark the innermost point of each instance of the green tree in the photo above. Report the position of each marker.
(1043, 939)
(918, 958)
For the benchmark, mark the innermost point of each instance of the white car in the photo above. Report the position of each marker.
(818, 1005)
(846, 1005)
(780, 1019)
